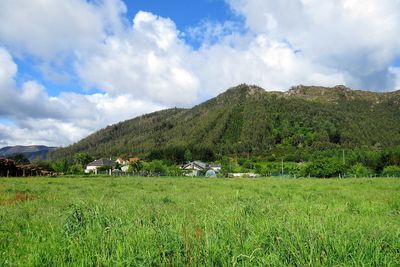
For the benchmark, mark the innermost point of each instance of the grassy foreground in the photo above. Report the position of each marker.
(193, 221)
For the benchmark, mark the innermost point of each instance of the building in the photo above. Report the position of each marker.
(198, 166)
(93, 166)
(215, 167)
(132, 160)
(195, 166)
(122, 161)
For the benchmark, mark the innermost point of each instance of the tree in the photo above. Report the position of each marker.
(188, 155)
(43, 164)
(19, 159)
(83, 159)
(157, 167)
(75, 169)
(60, 166)
(324, 168)
(136, 166)
(174, 170)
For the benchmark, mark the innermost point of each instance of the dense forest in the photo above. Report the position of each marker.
(246, 121)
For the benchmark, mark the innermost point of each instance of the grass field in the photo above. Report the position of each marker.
(194, 221)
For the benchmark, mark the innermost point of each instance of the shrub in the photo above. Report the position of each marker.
(391, 171)
(324, 168)
(157, 167)
(359, 170)
(75, 169)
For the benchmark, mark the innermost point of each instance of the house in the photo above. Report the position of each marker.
(122, 161)
(125, 168)
(132, 160)
(215, 167)
(195, 166)
(93, 166)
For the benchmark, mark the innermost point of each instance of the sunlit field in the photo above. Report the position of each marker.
(199, 221)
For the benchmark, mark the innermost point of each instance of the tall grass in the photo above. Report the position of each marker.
(194, 221)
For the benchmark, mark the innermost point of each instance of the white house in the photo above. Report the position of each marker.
(93, 166)
(122, 161)
(197, 166)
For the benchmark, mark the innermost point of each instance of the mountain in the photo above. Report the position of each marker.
(248, 120)
(30, 152)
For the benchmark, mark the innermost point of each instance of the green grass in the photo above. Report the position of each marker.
(194, 221)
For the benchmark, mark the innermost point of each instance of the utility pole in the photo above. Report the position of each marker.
(282, 167)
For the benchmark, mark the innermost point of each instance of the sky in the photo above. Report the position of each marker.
(69, 68)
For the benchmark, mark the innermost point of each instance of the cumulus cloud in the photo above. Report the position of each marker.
(61, 120)
(262, 62)
(50, 28)
(145, 64)
(151, 61)
(359, 37)
(148, 61)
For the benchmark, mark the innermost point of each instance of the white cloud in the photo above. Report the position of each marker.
(359, 37)
(270, 64)
(50, 28)
(41, 119)
(145, 65)
(7, 68)
(395, 71)
(148, 61)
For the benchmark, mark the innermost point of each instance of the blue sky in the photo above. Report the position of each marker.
(185, 14)
(76, 66)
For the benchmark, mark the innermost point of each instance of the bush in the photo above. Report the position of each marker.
(136, 166)
(44, 164)
(391, 171)
(174, 171)
(157, 167)
(75, 169)
(60, 166)
(359, 170)
(324, 168)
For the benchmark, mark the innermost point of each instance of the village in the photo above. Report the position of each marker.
(134, 166)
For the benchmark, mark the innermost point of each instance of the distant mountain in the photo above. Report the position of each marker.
(249, 120)
(30, 152)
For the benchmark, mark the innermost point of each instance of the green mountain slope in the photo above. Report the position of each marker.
(30, 152)
(248, 120)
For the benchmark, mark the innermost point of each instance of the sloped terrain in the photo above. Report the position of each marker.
(248, 120)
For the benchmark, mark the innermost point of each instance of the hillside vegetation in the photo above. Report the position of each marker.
(247, 120)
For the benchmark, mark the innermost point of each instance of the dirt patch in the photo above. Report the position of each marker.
(17, 197)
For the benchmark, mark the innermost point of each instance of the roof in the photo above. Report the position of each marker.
(215, 166)
(102, 162)
(134, 159)
(199, 164)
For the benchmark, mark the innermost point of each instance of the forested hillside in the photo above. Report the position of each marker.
(247, 120)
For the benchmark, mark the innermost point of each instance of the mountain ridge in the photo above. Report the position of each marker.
(246, 119)
(30, 152)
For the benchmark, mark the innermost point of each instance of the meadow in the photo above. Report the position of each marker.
(136, 221)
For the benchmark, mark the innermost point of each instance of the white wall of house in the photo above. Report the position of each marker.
(91, 169)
